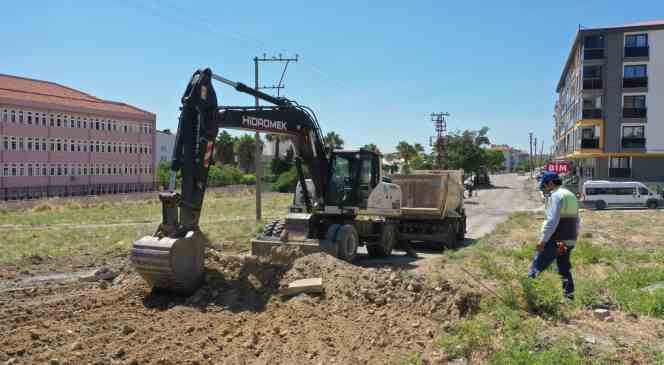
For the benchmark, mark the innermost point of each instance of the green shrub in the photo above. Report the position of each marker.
(543, 295)
(625, 290)
(286, 182)
(519, 353)
(224, 175)
(249, 179)
(467, 337)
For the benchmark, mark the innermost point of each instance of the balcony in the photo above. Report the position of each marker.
(593, 84)
(593, 54)
(592, 114)
(637, 52)
(590, 143)
(633, 82)
(634, 142)
(634, 112)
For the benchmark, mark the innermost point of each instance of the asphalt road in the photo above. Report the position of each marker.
(485, 210)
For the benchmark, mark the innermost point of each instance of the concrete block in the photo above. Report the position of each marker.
(309, 285)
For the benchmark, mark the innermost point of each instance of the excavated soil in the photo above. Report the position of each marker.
(376, 316)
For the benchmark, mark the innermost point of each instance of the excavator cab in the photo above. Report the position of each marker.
(353, 175)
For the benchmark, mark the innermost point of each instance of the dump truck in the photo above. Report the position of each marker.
(432, 208)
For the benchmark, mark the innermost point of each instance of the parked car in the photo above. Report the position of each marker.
(603, 194)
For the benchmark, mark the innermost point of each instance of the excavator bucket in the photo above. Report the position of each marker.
(173, 264)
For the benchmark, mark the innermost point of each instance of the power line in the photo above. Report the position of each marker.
(440, 126)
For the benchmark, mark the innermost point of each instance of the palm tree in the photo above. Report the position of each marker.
(333, 141)
(370, 147)
(406, 152)
(419, 149)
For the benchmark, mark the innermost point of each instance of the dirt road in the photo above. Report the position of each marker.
(485, 210)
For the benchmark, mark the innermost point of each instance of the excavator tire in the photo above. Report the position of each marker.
(172, 264)
(274, 228)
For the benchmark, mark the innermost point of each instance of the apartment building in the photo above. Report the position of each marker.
(165, 142)
(513, 156)
(609, 116)
(57, 141)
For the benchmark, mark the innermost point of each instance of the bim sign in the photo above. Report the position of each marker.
(559, 167)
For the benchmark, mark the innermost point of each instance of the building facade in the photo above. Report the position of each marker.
(609, 116)
(513, 157)
(165, 142)
(57, 141)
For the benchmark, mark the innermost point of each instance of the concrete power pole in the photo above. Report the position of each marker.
(440, 125)
(258, 163)
(530, 155)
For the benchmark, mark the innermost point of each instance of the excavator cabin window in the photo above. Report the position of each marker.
(354, 175)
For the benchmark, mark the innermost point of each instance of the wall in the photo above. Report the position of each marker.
(655, 98)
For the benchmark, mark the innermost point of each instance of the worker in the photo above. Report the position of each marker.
(559, 231)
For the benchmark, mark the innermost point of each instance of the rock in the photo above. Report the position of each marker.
(416, 324)
(127, 330)
(105, 273)
(34, 335)
(652, 287)
(380, 301)
(601, 313)
(11, 361)
(309, 285)
(590, 339)
(587, 235)
(54, 362)
(77, 346)
(119, 354)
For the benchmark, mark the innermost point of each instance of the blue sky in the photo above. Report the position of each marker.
(373, 71)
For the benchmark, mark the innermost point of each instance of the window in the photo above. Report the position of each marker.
(58, 145)
(636, 40)
(20, 117)
(85, 123)
(593, 41)
(13, 117)
(29, 143)
(4, 116)
(592, 77)
(643, 191)
(633, 131)
(636, 71)
(21, 143)
(5, 170)
(72, 146)
(14, 145)
(78, 122)
(21, 170)
(14, 172)
(96, 124)
(43, 119)
(44, 144)
(635, 101)
(619, 163)
(59, 170)
(37, 144)
(29, 117)
(5, 143)
(72, 123)
(58, 121)
(97, 146)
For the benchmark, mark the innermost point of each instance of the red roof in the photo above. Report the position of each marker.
(53, 95)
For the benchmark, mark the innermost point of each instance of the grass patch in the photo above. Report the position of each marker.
(467, 337)
(73, 228)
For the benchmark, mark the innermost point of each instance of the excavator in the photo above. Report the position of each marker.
(335, 188)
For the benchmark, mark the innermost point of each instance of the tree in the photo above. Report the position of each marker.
(406, 152)
(464, 149)
(245, 149)
(333, 141)
(224, 149)
(370, 147)
(495, 160)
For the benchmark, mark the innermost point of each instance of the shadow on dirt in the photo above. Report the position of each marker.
(245, 284)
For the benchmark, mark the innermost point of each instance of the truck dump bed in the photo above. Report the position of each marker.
(430, 194)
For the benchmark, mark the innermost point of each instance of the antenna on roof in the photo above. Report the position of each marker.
(580, 26)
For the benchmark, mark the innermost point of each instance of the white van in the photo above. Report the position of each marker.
(602, 194)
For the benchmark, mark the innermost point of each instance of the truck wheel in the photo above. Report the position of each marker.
(388, 239)
(341, 242)
(461, 230)
(652, 204)
(600, 205)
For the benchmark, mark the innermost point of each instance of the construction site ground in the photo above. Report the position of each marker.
(469, 305)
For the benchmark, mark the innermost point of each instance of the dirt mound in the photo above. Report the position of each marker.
(238, 317)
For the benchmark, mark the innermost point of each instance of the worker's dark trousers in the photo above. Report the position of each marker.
(543, 259)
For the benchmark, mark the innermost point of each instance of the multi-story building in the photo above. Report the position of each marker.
(513, 156)
(164, 148)
(57, 141)
(609, 117)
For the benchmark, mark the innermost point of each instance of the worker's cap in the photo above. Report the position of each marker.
(548, 176)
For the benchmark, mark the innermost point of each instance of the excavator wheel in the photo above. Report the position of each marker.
(173, 264)
(341, 241)
(274, 228)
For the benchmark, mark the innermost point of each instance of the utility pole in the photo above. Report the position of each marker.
(535, 160)
(542, 154)
(440, 125)
(530, 156)
(258, 163)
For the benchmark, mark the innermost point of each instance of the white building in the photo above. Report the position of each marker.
(165, 142)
